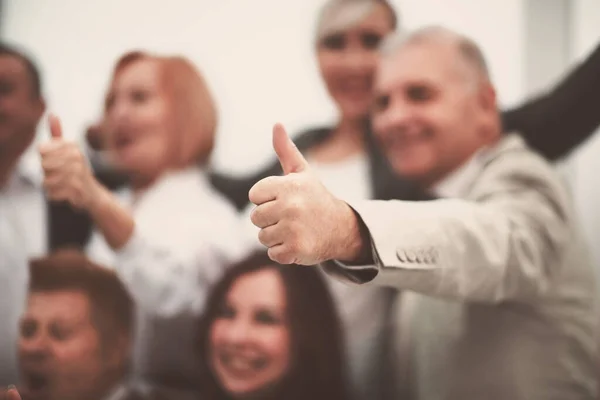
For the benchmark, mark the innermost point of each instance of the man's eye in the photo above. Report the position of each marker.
(419, 93)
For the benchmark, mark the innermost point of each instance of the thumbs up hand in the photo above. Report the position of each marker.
(67, 176)
(301, 221)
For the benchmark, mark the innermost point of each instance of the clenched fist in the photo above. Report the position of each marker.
(67, 176)
(301, 221)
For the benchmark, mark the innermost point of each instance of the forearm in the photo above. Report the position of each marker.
(113, 220)
(460, 250)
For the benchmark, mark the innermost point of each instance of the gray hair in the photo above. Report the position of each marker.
(469, 51)
(339, 15)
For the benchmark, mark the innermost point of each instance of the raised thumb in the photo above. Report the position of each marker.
(290, 158)
(55, 127)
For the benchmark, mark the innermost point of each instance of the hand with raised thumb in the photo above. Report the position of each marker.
(300, 221)
(67, 176)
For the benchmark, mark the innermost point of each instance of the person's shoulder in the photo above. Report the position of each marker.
(512, 167)
(512, 155)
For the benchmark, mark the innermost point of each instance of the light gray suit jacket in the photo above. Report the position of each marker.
(502, 295)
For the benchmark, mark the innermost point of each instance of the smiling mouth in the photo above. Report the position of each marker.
(35, 385)
(123, 141)
(355, 85)
(401, 140)
(242, 367)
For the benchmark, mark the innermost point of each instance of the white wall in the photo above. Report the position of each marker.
(586, 162)
(257, 55)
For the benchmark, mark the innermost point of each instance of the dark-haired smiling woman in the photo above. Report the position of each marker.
(271, 332)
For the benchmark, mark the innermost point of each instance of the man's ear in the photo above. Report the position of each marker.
(40, 105)
(118, 354)
(489, 117)
(487, 97)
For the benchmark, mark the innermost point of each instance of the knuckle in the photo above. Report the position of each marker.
(296, 182)
(262, 236)
(252, 194)
(273, 255)
(280, 254)
(294, 206)
(255, 216)
(75, 154)
(293, 246)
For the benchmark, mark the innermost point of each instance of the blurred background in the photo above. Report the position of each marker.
(173, 242)
(259, 61)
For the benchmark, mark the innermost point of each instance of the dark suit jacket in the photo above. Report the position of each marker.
(67, 227)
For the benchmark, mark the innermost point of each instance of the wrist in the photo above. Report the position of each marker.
(98, 198)
(354, 246)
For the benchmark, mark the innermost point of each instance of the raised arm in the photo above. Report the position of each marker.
(166, 265)
(557, 122)
(506, 242)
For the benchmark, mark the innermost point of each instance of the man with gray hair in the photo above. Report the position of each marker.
(498, 295)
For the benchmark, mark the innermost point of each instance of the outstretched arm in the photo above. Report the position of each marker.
(557, 122)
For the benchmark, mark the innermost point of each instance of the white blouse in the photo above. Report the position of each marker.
(186, 234)
(363, 310)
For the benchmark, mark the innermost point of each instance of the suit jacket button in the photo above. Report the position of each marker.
(420, 257)
(427, 257)
(434, 256)
(401, 254)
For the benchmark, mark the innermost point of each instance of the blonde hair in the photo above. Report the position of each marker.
(192, 106)
(339, 15)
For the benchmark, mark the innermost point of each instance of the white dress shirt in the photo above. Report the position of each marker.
(24, 196)
(185, 236)
(22, 235)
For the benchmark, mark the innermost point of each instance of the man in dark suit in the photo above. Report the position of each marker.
(21, 107)
(29, 225)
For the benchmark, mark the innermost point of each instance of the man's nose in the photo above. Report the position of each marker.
(35, 347)
(119, 112)
(395, 116)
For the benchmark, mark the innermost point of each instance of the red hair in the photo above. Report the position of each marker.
(191, 103)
